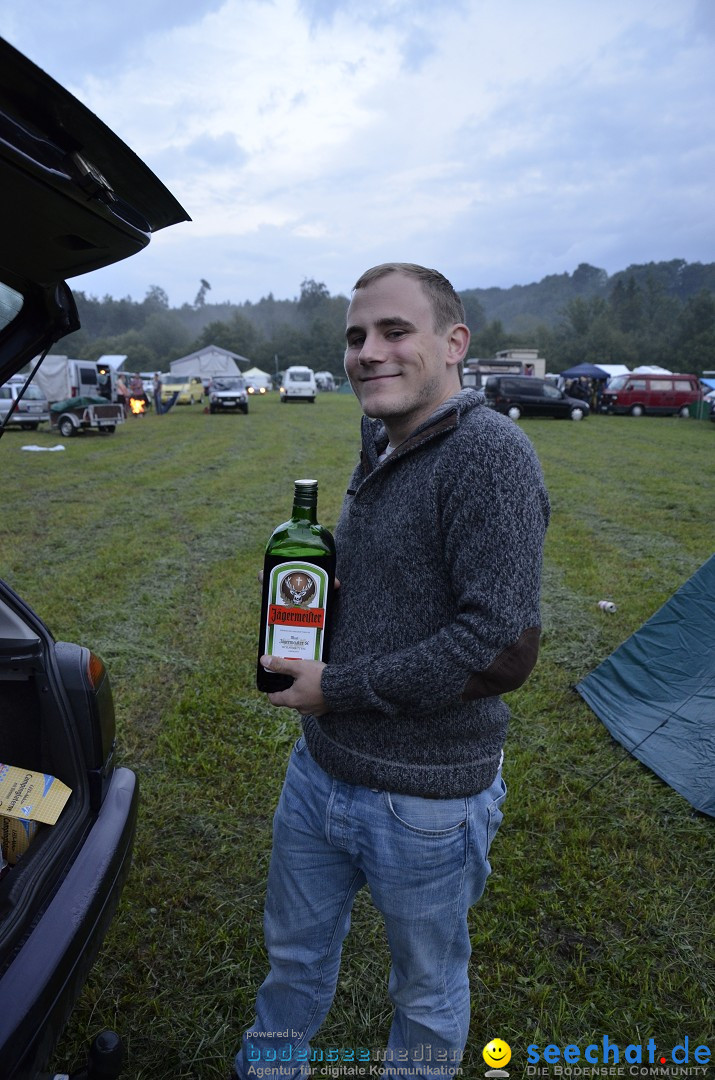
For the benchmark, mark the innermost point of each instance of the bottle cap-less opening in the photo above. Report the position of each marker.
(306, 493)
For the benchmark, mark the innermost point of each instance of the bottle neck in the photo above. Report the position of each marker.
(305, 503)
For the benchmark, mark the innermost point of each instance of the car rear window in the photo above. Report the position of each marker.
(10, 304)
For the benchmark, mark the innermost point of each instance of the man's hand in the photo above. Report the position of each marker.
(305, 694)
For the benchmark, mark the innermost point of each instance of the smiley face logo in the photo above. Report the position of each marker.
(497, 1053)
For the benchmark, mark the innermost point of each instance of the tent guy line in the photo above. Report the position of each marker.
(629, 753)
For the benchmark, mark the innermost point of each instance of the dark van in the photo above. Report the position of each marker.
(640, 393)
(525, 395)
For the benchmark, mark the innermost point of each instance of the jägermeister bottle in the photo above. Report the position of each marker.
(298, 575)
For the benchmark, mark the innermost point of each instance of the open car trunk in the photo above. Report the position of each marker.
(56, 902)
(74, 198)
(35, 735)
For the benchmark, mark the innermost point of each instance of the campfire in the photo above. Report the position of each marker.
(137, 405)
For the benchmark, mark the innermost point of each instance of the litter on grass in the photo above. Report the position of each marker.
(50, 448)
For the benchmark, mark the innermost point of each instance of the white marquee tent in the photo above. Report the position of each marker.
(207, 362)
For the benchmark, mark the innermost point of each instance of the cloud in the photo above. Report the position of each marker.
(504, 139)
(205, 153)
(79, 37)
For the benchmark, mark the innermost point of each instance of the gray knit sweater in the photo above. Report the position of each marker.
(439, 560)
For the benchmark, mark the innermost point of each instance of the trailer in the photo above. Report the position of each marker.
(506, 362)
(85, 414)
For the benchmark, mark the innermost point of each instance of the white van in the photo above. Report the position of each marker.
(298, 384)
(59, 377)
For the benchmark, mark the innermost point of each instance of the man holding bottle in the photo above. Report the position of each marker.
(396, 782)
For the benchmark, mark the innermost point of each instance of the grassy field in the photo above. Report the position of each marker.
(598, 918)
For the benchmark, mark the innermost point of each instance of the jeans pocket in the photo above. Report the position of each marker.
(428, 817)
(494, 811)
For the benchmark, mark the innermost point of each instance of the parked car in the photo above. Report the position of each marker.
(30, 410)
(298, 384)
(228, 393)
(64, 177)
(639, 393)
(257, 381)
(525, 395)
(189, 389)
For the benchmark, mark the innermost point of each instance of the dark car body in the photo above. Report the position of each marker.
(75, 198)
(525, 395)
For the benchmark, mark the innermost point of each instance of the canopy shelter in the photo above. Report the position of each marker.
(656, 692)
(589, 371)
(614, 369)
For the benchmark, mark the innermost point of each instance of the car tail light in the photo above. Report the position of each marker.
(95, 670)
(86, 683)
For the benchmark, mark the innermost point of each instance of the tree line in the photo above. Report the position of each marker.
(656, 313)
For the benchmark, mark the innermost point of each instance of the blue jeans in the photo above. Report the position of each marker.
(425, 862)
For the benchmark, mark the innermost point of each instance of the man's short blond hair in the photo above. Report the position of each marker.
(447, 308)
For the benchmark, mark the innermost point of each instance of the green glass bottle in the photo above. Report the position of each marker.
(298, 577)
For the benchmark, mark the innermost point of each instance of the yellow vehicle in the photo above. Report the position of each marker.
(190, 389)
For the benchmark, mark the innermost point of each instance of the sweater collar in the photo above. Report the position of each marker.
(446, 416)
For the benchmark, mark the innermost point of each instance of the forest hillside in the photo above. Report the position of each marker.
(654, 313)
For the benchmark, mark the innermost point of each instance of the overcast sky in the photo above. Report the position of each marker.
(497, 140)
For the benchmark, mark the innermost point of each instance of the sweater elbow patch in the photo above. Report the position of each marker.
(508, 671)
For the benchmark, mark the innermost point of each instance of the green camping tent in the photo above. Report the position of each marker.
(656, 692)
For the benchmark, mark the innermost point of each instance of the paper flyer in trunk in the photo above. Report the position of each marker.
(31, 796)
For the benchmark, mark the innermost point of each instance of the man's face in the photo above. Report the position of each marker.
(399, 367)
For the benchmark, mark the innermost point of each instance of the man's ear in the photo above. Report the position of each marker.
(458, 343)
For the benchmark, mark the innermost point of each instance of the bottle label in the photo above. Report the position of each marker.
(297, 603)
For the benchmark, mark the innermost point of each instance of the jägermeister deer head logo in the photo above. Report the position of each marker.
(298, 588)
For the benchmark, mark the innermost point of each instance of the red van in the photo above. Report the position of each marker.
(639, 393)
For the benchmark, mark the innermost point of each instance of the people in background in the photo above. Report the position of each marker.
(123, 394)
